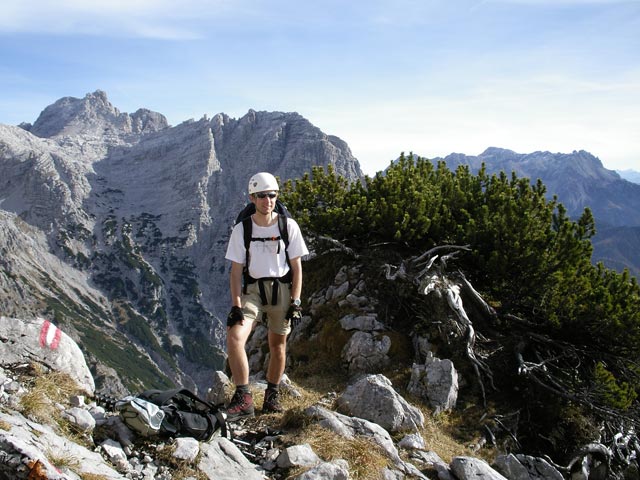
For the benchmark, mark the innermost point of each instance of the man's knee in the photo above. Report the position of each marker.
(278, 349)
(235, 338)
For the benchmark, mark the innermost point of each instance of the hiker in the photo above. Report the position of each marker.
(265, 281)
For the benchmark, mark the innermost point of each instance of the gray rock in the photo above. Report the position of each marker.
(220, 384)
(469, 468)
(335, 470)
(366, 352)
(390, 474)
(11, 387)
(222, 460)
(372, 397)
(341, 277)
(354, 301)
(413, 441)
(40, 341)
(81, 418)
(431, 459)
(437, 382)
(339, 291)
(116, 454)
(365, 323)
(422, 348)
(25, 442)
(186, 448)
(298, 456)
(524, 467)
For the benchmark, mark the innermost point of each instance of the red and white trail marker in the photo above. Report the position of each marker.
(50, 335)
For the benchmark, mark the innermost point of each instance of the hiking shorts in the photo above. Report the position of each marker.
(253, 308)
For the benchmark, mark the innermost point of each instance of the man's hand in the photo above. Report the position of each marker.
(235, 316)
(294, 315)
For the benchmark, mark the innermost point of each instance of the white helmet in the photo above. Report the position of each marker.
(263, 182)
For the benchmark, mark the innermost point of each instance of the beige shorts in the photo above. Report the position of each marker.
(253, 308)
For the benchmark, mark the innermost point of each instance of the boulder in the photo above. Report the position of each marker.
(336, 470)
(366, 353)
(298, 456)
(33, 449)
(222, 460)
(437, 382)
(525, 467)
(365, 323)
(373, 398)
(469, 468)
(38, 340)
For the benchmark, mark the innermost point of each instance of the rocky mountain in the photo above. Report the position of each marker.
(579, 180)
(115, 225)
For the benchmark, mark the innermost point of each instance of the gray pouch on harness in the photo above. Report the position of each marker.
(144, 418)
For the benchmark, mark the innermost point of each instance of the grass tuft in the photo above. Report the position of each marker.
(47, 390)
(366, 459)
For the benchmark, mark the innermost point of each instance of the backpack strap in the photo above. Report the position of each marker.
(159, 397)
(284, 234)
(247, 227)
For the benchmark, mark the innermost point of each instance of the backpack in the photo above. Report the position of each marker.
(171, 413)
(244, 217)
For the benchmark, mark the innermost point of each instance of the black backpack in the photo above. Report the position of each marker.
(172, 413)
(244, 217)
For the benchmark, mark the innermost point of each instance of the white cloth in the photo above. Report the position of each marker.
(264, 259)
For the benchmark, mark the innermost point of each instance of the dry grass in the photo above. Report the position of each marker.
(5, 425)
(366, 459)
(92, 476)
(438, 433)
(62, 460)
(44, 392)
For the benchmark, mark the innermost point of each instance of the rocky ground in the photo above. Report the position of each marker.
(51, 426)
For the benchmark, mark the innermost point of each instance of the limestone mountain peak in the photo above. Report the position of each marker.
(94, 115)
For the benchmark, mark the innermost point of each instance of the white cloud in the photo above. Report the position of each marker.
(162, 19)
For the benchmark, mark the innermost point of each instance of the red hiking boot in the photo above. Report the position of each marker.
(240, 406)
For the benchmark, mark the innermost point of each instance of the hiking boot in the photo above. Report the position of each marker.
(240, 406)
(272, 402)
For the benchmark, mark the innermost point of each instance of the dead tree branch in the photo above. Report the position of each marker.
(429, 276)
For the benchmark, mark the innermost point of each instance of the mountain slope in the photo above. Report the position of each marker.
(141, 211)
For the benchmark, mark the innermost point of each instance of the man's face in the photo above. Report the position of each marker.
(265, 202)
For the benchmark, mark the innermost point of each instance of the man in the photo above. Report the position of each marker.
(273, 286)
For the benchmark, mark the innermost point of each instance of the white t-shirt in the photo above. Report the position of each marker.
(265, 261)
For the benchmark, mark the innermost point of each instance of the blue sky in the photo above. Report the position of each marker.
(428, 76)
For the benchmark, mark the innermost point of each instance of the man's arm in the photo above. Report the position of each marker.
(296, 271)
(235, 284)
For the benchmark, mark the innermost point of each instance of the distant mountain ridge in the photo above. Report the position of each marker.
(134, 215)
(630, 175)
(579, 180)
